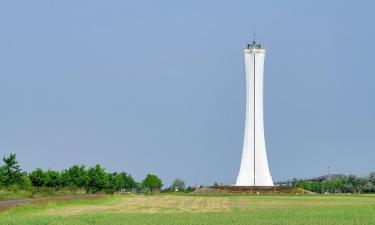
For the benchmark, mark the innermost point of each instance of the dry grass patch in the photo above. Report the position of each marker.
(149, 204)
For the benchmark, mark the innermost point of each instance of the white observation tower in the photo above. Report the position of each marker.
(254, 169)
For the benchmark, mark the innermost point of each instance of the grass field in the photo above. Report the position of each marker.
(200, 209)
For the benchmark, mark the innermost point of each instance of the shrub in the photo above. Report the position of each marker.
(25, 183)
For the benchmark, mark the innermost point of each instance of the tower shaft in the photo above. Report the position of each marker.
(254, 170)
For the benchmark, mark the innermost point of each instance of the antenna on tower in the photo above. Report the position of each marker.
(253, 33)
(254, 37)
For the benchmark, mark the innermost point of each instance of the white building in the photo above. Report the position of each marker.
(254, 169)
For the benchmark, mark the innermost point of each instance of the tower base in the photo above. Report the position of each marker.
(256, 190)
(248, 180)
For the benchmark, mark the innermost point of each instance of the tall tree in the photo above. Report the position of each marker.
(152, 183)
(75, 177)
(178, 184)
(98, 179)
(2, 176)
(120, 181)
(11, 171)
(371, 178)
(38, 178)
(52, 179)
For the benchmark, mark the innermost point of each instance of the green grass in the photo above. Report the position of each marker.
(200, 209)
(9, 195)
(6, 195)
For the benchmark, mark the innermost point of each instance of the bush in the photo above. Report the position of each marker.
(25, 183)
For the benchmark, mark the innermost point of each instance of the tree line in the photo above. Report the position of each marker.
(92, 180)
(340, 184)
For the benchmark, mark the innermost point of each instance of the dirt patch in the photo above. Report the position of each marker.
(64, 199)
(40, 201)
(4, 207)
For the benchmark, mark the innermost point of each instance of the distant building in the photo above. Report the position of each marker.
(327, 177)
(323, 178)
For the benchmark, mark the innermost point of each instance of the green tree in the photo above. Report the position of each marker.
(138, 187)
(369, 187)
(356, 182)
(115, 182)
(152, 183)
(347, 188)
(314, 186)
(178, 184)
(129, 182)
(38, 178)
(190, 189)
(75, 177)
(120, 181)
(11, 171)
(2, 177)
(371, 178)
(98, 179)
(333, 186)
(25, 182)
(310, 185)
(52, 179)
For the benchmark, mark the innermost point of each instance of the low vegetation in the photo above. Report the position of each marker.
(175, 205)
(193, 209)
(74, 179)
(339, 184)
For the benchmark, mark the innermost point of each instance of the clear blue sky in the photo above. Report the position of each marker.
(159, 86)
